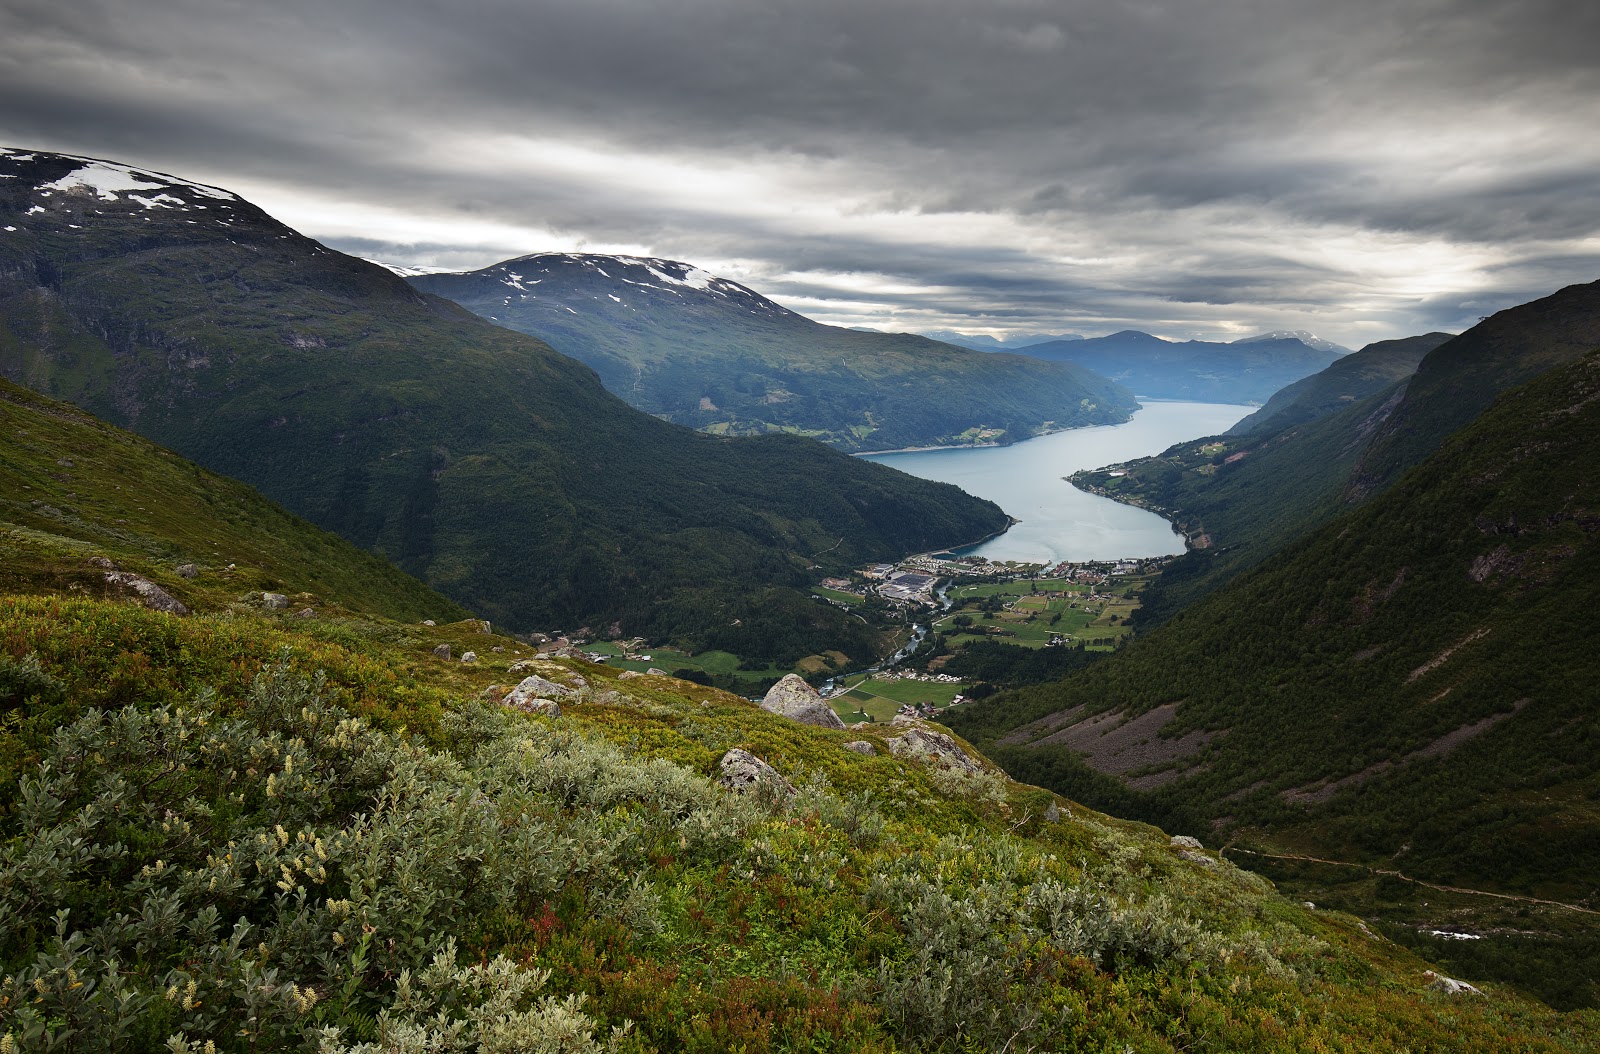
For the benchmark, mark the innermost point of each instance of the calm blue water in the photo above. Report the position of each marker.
(1059, 521)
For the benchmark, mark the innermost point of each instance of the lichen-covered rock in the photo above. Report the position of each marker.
(188, 570)
(1195, 856)
(152, 595)
(861, 746)
(469, 656)
(101, 562)
(305, 613)
(793, 698)
(442, 651)
(628, 675)
(532, 705)
(1448, 985)
(656, 672)
(1184, 841)
(743, 771)
(1052, 814)
(274, 601)
(537, 688)
(936, 747)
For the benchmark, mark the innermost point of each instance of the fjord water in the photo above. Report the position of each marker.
(1059, 521)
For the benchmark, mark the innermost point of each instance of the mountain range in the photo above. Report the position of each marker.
(698, 350)
(1245, 372)
(984, 342)
(495, 469)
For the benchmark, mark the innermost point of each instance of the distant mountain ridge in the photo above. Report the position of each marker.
(710, 353)
(984, 342)
(1199, 370)
(481, 461)
(1310, 340)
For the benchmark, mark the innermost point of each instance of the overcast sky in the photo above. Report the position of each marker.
(1360, 168)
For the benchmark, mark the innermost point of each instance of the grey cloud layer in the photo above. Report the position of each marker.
(1186, 167)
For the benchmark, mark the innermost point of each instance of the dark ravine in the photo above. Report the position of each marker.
(710, 353)
(490, 466)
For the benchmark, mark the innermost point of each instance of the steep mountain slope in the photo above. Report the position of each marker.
(1411, 686)
(1194, 369)
(709, 353)
(480, 460)
(73, 488)
(1357, 376)
(1241, 498)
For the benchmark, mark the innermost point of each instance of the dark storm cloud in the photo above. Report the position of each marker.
(1364, 168)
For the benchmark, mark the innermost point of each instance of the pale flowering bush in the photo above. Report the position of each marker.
(174, 876)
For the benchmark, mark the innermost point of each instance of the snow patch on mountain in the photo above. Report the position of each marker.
(1310, 340)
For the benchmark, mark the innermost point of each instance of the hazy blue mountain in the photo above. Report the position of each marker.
(1193, 369)
(1310, 340)
(703, 351)
(493, 468)
(984, 342)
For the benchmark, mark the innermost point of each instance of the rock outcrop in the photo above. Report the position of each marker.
(861, 746)
(743, 771)
(793, 698)
(934, 747)
(1448, 985)
(152, 595)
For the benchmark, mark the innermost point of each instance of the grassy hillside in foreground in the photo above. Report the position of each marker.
(1412, 687)
(1240, 498)
(479, 460)
(73, 487)
(714, 355)
(265, 833)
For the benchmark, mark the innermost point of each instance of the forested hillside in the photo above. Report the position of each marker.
(496, 470)
(1410, 686)
(1240, 498)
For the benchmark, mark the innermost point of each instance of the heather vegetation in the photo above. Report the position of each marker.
(315, 855)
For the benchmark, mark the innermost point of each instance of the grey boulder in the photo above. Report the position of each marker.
(793, 698)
